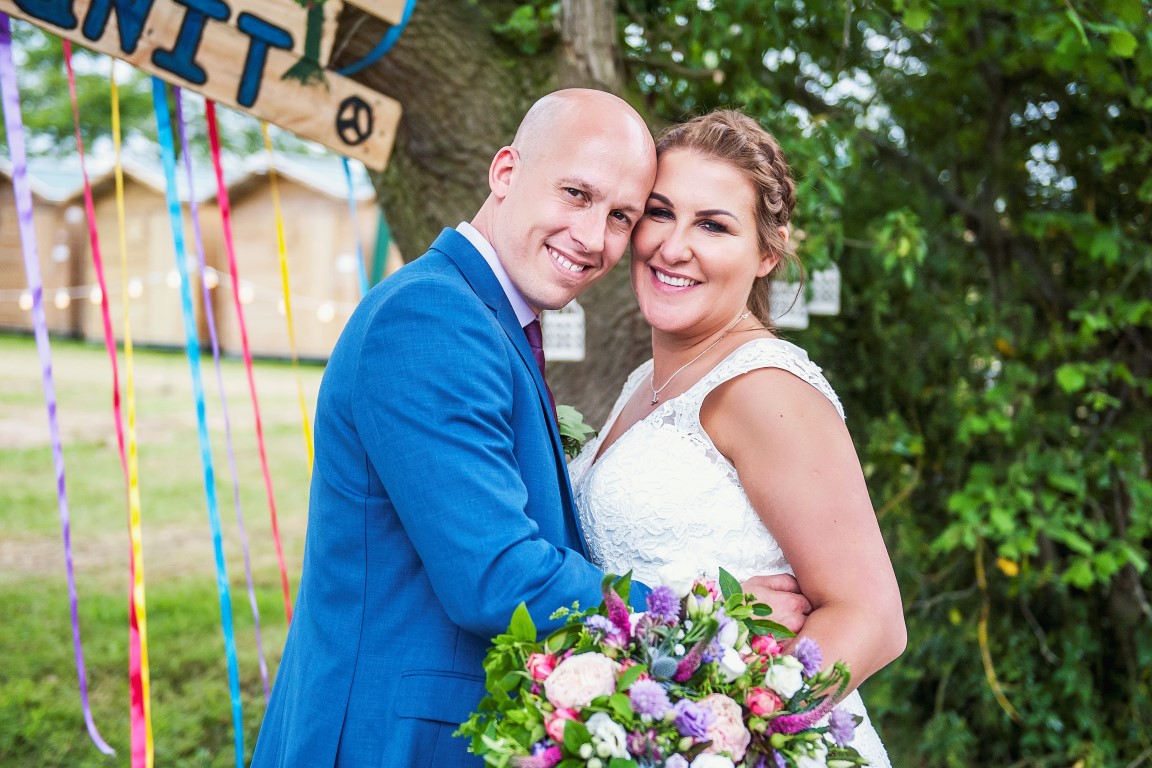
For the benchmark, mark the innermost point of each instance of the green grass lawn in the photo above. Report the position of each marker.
(41, 721)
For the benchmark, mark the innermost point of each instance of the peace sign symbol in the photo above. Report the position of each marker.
(354, 120)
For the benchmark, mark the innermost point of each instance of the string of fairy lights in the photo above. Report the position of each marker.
(62, 297)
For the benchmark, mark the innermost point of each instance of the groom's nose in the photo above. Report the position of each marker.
(588, 231)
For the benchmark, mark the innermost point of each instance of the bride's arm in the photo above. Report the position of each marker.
(799, 468)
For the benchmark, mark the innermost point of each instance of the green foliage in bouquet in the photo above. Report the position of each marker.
(696, 680)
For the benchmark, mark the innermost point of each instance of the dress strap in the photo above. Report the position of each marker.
(762, 353)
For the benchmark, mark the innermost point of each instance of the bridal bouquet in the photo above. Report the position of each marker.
(698, 680)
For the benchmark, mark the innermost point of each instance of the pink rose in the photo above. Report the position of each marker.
(579, 679)
(762, 702)
(554, 723)
(540, 665)
(766, 645)
(727, 732)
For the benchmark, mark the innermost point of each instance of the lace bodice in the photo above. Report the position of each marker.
(664, 494)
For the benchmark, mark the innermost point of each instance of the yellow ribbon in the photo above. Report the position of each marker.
(282, 251)
(133, 463)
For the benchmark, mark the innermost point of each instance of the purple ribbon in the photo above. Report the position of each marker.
(15, 127)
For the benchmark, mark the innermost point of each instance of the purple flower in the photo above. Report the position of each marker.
(663, 605)
(841, 726)
(779, 758)
(676, 761)
(649, 698)
(713, 652)
(692, 720)
(599, 626)
(808, 653)
(644, 744)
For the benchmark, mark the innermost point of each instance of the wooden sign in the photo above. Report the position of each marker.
(266, 57)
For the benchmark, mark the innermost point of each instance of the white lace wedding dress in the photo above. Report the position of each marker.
(663, 493)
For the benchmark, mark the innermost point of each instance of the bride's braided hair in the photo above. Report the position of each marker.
(739, 140)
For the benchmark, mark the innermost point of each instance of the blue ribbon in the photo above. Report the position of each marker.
(382, 47)
(355, 227)
(192, 347)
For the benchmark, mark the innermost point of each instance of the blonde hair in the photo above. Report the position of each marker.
(738, 140)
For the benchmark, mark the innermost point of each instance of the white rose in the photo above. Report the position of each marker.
(579, 679)
(709, 760)
(731, 665)
(785, 676)
(608, 733)
(677, 577)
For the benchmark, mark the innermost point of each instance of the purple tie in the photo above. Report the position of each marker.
(536, 342)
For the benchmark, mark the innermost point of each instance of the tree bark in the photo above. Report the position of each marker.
(463, 92)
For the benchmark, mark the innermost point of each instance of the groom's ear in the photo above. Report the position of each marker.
(500, 172)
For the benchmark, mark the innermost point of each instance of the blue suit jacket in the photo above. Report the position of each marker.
(440, 500)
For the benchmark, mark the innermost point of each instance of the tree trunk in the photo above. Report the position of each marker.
(464, 91)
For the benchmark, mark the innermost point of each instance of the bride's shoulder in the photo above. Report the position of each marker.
(776, 354)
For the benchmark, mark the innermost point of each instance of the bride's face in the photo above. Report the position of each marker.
(695, 252)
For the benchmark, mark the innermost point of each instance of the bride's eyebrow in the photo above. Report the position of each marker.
(660, 198)
(718, 212)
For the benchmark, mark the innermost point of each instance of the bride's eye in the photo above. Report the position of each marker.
(658, 213)
(714, 227)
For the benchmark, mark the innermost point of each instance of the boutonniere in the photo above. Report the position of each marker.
(574, 432)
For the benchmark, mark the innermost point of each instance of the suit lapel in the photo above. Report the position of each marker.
(479, 276)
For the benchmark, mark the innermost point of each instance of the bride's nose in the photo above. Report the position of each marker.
(675, 249)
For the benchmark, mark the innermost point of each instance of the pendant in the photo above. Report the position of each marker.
(655, 398)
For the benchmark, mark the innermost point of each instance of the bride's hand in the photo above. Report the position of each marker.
(782, 594)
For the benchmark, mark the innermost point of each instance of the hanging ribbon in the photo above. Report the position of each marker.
(355, 227)
(282, 250)
(192, 348)
(385, 44)
(226, 222)
(139, 682)
(14, 125)
(210, 316)
(98, 266)
(380, 251)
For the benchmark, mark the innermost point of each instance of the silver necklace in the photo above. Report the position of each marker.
(652, 379)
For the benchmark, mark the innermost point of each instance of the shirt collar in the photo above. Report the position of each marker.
(524, 313)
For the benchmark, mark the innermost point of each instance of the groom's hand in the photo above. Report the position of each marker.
(782, 594)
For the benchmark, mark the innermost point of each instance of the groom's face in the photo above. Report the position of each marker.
(568, 208)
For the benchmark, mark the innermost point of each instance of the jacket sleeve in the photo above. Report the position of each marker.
(435, 413)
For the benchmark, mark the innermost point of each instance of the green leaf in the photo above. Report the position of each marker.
(620, 762)
(917, 18)
(575, 735)
(522, 627)
(728, 585)
(765, 627)
(621, 705)
(629, 676)
(1070, 377)
(1121, 43)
